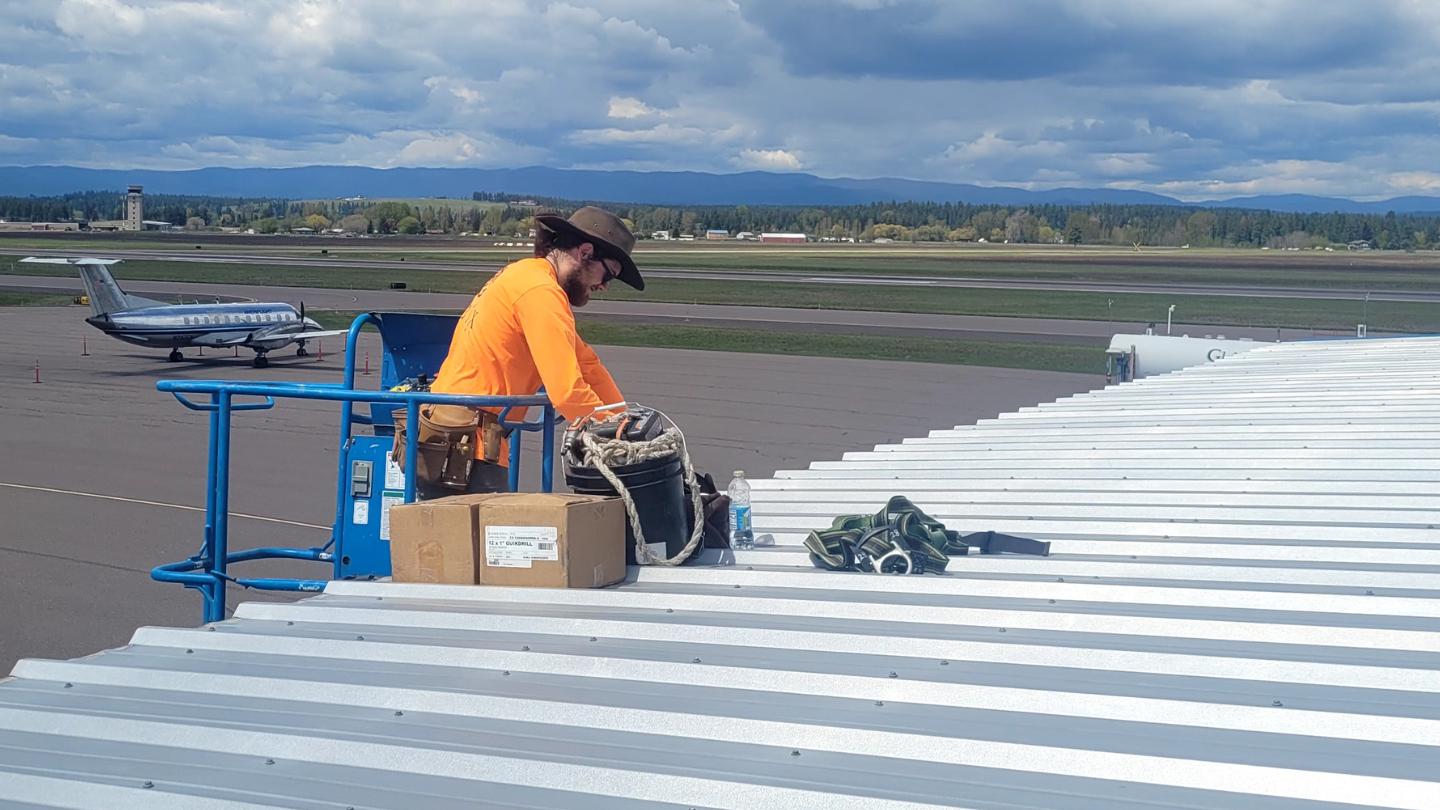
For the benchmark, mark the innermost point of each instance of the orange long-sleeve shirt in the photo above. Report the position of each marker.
(518, 333)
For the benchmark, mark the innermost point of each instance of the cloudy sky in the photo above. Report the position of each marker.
(1197, 99)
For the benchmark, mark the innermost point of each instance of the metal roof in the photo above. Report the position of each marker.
(1240, 611)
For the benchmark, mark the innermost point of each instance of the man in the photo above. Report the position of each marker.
(519, 331)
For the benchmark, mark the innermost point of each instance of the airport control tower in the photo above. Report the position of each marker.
(134, 208)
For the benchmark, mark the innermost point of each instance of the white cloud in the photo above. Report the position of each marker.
(991, 146)
(1415, 182)
(775, 160)
(662, 134)
(1198, 99)
(440, 148)
(626, 107)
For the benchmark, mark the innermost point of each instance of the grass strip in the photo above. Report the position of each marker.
(1373, 270)
(1137, 308)
(995, 354)
(22, 299)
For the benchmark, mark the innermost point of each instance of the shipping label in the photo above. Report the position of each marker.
(519, 546)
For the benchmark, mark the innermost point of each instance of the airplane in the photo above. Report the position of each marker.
(260, 327)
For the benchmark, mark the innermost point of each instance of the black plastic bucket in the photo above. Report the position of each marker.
(658, 488)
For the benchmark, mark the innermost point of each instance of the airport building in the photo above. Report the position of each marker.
(135, 208)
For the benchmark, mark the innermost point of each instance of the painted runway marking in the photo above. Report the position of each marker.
(160, 504)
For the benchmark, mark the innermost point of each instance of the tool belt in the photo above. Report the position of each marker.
(901, 539)
(446, 442)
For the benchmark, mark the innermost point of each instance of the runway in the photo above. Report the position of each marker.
(339, 263)
(957, 327)
(102, 474)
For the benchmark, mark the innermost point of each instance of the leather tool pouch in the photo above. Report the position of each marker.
(446, 442)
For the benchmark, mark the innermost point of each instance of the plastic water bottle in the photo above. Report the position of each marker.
(742, 534)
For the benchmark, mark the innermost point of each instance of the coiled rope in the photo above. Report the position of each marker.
(603, 454)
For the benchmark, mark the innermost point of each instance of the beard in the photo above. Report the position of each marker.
(576, 290)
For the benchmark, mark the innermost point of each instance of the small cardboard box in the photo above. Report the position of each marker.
(550, 540)
(435, 541)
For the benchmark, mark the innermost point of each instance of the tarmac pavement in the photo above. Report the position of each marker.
(103, 477)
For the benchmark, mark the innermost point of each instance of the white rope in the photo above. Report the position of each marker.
(602, 455)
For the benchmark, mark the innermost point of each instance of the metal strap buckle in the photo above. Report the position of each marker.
(883, 566)
(899, 553)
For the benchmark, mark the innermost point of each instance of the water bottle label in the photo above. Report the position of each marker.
(739, 519)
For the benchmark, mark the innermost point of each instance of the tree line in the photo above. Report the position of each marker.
(505, 215)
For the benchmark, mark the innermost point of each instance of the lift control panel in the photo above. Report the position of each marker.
(377, 485)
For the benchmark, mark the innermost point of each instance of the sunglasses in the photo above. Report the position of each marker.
(610, 275)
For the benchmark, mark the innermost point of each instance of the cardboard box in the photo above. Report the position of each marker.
(435, 541)
(550, 540)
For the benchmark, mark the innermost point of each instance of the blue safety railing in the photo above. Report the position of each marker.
(208, 571)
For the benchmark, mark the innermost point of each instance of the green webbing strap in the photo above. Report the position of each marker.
(901, 539)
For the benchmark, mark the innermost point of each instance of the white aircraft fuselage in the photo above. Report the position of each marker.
(259, 327)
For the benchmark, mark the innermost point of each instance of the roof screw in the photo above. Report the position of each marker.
(894, 675)
(525, 648)
(694, 660)
(189, 652)
(794, 753)
(147, 784)
(1059, 579)
(1277, 704)
(879, 703)
(592, 638)
(1369, 593)
(506, 672)
(269, 762)
(1052, 601)
(289, 624)
(737, 587)
(1002, 629)
(944, 663)
(399, 713)
(669, 610)
(211, 628)
(69, 685)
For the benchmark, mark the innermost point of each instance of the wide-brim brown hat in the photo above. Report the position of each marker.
(604, 230)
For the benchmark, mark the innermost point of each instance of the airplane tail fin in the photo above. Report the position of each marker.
(105, 295)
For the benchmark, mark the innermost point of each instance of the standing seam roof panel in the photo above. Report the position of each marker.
(1240, 610)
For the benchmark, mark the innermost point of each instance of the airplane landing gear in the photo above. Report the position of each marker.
(175, 356)
(260, 361)
(301, 352)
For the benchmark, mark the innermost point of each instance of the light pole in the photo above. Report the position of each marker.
(1365, 309)
(1168, 313)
